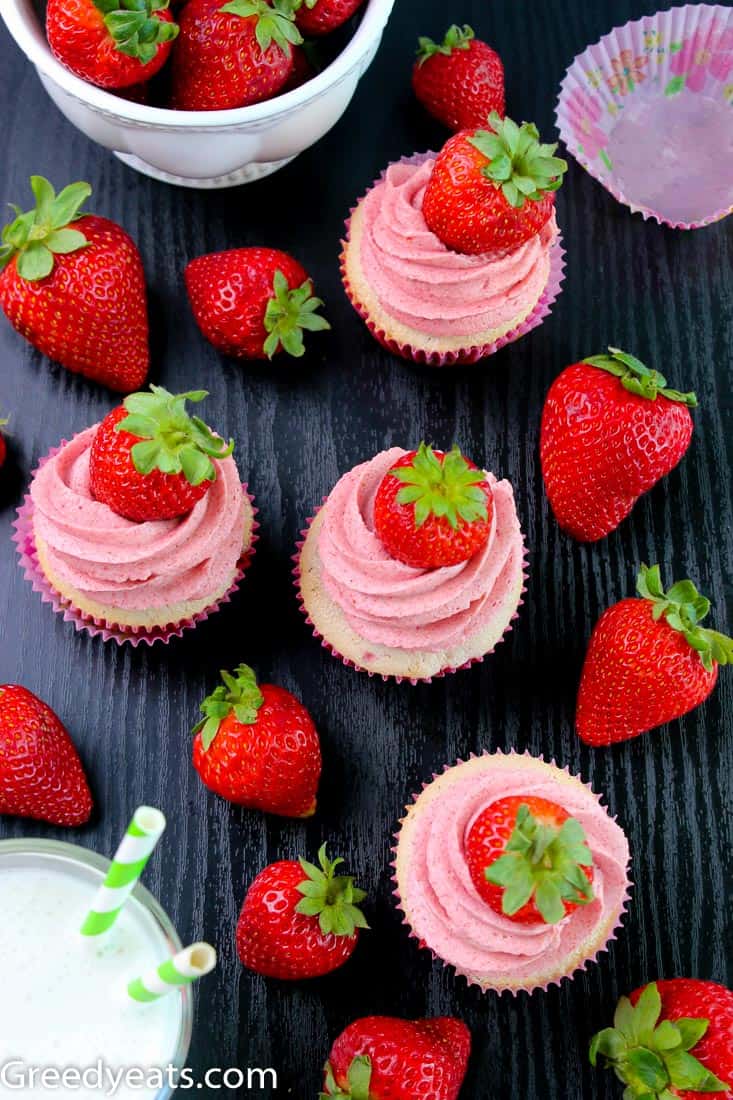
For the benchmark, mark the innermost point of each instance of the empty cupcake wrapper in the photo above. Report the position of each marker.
(384, 676)
(466, 355)
(648, 111)
(25, 544)
(514, 990)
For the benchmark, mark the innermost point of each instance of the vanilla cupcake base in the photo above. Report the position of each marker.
(330, 623)
(536, 770)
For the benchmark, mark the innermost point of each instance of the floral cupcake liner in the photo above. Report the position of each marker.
(611, 935)
(648, 112)
(326, 644)
(28, 559)
(464, 355)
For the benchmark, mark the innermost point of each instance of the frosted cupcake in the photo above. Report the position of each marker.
(510, 871)
(140, 525)
(448, 257)
(414, 566)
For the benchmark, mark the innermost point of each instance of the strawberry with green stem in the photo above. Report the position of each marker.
(460, 80)
(491, 190)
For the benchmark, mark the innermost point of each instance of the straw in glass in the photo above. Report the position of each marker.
(187, 966)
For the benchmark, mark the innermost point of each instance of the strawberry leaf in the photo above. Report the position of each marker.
(456, 38)
(238, 695)
(682, 608)
(34, 237)
(522, 167)
(637, 378)
(288, 313)
(331, 898)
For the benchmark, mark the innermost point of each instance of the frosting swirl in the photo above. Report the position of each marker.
(130, 565)
(429, 287)
(389, 603)
(445, 909)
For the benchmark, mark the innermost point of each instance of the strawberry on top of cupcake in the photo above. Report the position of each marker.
(450, 255)
(414, 565)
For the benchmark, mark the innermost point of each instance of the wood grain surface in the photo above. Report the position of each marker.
(668, 297)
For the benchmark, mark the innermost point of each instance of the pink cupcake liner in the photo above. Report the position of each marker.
(384, 676)
(630, 112)
(28, 560)
(465, 355)
(514, 990)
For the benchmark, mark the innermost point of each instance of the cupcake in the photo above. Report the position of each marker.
(139, 525)
(414, 565)
(510, 871)
(448, 257)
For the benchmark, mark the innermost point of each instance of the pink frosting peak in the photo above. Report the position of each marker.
(446, 911)
(389, 603)
(128, 565)
(427, 286)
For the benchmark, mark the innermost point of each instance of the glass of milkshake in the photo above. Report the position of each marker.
(64, 1003)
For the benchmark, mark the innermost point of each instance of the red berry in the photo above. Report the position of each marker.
(671, 1038)
(253, 302)
(231, 54)
(41, 775)
(529, 860)
(113, 44)
(610, 431)
(648, 661)
(460, 81)
(383, 1058)
(315, 17)
(258, 747)
(299, 920)
(150, 460)
(74, 287)
(492, 190)
(433, 509)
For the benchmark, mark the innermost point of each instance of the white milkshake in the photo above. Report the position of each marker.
(63, 998)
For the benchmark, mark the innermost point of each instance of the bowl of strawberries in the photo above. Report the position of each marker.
(200, 93)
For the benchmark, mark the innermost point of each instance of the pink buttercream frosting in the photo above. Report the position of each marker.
(445, 909)
(389, 603)
(427, 286)
(128, 565)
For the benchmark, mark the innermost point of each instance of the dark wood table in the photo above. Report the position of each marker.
(668, 297)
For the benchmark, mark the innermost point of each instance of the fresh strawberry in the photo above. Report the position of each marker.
(317, 17)
(610, 430)
(41, 775)
(492, 190)
(529, 860)
(257, 746)
(74, 286)
(648, 661)
(433, 509)
(383, 1058)
(150, 460)
(299, 920)
(671, 1039)
(111, 43)
(460, 81)
(232, 54)
(253, 302)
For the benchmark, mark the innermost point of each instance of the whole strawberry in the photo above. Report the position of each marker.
(610, 430)
(257, 746)
(460, 81)
(41, 775)
(671, 1039)
(383, 1058)
(232, 54)
(648, 661)
(315, 17)
(150, 460)
(433, 509)
(492, 190)
(111, 43)
(252, 303)
(299, 920)
(73, 286)
(529, 860)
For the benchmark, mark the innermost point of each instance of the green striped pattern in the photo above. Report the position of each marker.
(184, 968)
(138, 843)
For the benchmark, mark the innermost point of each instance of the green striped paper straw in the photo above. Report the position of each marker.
(143, 833)
(187, 966)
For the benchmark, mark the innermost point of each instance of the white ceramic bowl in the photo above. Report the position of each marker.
(203, 148)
